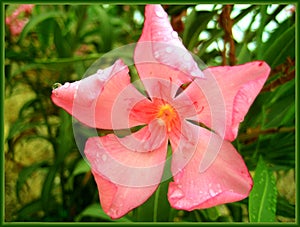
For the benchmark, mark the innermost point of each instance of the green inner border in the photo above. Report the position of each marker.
(2, 84)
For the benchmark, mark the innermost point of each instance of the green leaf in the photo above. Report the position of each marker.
(22, 125)
(282, 47)
(213, 213)
(36, 20)
(244, 54)
(102, 29)
(156, 208)
(62, 43)
(25, 174)
(263, 197)
(284, 208)
(260, 30)
(95, 211)
(81, 167)
(46, 196)
(29, 210)
(65, 142)
(196, 22)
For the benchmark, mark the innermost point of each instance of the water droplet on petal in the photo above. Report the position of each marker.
(56, 85)
(99, 146)
(55, 92)
(113, 212)
(159, 13)
(177, 194)
(66, 85)
(161, 122)
(104, 157)
(169, 50)
(187, 57)
(174, 34)
(194, 73)
(212, 192)
(219, 188)
(156, 54)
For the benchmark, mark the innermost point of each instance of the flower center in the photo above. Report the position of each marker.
(167, 114)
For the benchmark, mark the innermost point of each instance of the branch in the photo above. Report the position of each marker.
(253, 133)
(226, 23)
(285, 69)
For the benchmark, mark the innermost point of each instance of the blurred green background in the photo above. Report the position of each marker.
(46, 179)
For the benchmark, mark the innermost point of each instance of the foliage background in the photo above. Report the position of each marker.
(46, 178)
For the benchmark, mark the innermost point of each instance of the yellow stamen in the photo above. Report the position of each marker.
(167, 114)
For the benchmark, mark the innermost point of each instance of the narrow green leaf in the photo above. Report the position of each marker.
(284, 208)
(62, 43)
(244, 54)
(81, 167)
(263, 197)
(103, 30)
(36, 20)
(95, 211)
(65, 142)
(213, 213)
(22, 125)
(25, 174)
(281, 47)
(260, 30)
(28, 210)
(196, 22)
(46, 196)
(44, 32)
(280, 105)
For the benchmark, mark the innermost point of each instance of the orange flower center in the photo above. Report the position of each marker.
(168, 115)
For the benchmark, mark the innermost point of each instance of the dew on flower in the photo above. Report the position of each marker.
(66, 85)
(137, 160)
(187, 57)
(156, 54)
(169, 50)
(174, 34)
(212, 192)
(104, 157)
(113, 212)
(159, 13)
(177, 194)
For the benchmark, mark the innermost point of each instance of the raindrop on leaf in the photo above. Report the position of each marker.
(56, 85)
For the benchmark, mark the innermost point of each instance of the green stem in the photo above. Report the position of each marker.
(155, 209)
(197, 216)
(68, 60)
(262, 127)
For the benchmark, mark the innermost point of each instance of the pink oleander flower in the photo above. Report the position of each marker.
(16, 21)
(198, 112)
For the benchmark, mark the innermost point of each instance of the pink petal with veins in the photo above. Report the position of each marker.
(226, 95)
(126, 178)
(226, 180)
(159, 46)
(102, 100)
